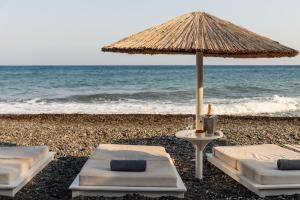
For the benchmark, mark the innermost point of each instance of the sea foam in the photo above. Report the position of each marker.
(271, 106)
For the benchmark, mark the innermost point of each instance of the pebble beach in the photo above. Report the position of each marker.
(73, 137)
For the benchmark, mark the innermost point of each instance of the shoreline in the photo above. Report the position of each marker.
(141, 114)
(74, 136)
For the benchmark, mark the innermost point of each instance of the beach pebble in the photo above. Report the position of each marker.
(75, 137)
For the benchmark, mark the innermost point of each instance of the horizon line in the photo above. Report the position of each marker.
(137, 65)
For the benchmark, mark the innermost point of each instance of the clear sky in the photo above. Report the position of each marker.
(53, 32)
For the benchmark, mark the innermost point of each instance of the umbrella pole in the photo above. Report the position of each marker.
(199, 89)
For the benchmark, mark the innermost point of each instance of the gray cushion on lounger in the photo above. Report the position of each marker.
(128, 165)
(287, 164)
(158, 174)
(267, 173)
(31, 154)
(134, 152)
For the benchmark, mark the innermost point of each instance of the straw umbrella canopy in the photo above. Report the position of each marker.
(204, 35)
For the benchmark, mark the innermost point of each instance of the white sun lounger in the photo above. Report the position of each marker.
(255, 168)
(160, 178)
(18, 165)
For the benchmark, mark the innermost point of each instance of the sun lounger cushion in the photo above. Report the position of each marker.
(31, 155)
(17, 161)
(21, 165)
(267, 173)
(158, 174)
(259, 163)
(159, 171)
(125, 152)
(8, 174)
(232, 155)
(295, 147)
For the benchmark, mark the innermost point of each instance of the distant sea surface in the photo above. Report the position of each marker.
(233, 90)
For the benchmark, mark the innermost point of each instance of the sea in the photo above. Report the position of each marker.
(232, 90)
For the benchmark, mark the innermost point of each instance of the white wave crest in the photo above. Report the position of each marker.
(276, 105)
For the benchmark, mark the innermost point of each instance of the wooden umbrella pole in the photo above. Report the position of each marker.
(199, 90)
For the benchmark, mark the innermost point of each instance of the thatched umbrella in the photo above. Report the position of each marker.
(204, 35)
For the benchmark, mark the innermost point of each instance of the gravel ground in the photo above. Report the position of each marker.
(74, 137)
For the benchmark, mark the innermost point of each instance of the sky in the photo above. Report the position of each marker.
(72, 32)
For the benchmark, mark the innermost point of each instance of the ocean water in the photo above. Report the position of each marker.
(232, 90)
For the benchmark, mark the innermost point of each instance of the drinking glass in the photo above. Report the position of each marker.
(189, 123)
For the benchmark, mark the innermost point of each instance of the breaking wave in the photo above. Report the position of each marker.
(271, 106)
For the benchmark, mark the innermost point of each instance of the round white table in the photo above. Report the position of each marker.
(199, 141)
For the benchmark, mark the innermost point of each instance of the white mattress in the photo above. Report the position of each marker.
(134, 152)
(232, 155)
(17, 161)
(8, 174)
(267, 173)
(295, 147)
(98, 173)
(31, 154)
(259, 162)
(159, 171)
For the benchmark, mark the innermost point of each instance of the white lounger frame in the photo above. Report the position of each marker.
(117, 191)
(19, 183)
(260, 190)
